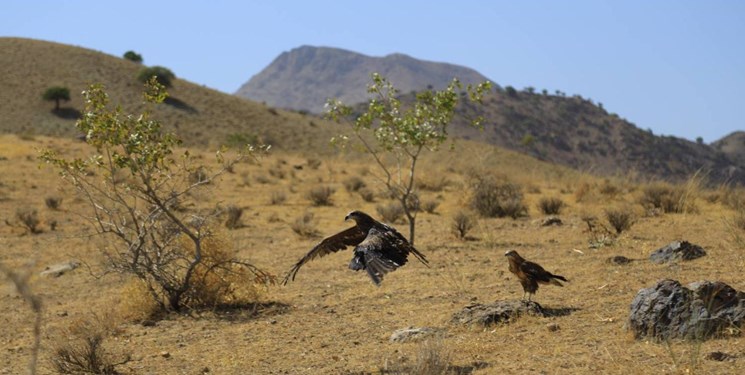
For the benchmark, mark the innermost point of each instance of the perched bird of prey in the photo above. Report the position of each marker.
(530, 274)
(379, 248)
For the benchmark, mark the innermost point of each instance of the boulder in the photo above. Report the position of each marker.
(677, 250)
(698, 311)
(497, 312)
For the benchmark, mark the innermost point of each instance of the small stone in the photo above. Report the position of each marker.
(553, 327)
(165, 354)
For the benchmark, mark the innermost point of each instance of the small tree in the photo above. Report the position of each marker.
(136, 196)
(395, 135)
(164, 75)
(56, 93)
(133, 56)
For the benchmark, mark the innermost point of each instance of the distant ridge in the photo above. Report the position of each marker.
(305, 77)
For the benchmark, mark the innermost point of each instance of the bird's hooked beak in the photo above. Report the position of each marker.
(349, 216)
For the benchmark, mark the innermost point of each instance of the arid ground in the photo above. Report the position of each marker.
(331, 320)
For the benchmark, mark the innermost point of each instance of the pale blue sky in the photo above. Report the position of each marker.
(674, 66)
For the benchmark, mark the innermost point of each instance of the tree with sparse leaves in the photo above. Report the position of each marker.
(56, 93)
(136, 188)
(396, 134)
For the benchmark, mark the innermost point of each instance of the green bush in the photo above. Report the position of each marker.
(56, 93)
(133, 56)
(163, 75)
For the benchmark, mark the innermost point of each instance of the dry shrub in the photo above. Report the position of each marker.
(234, 214)
(733, 198)
(551, 205)
(368, 195)
(492, 198)
(353, 184)
(463, 222)
(433, 182)
(220, 279)
(53, 202)
(432, 359)
(320, 195)
(278, 197)
(137, 303)
(391, 212)
(429, 206)
(314, 163)
(81, 349)
(29, 218)
(668, 198)
(583, 192)
(305, 226)
(199, 176)
(610, 189)
(620, 219)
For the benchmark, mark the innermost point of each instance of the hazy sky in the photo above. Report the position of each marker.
(676, 67)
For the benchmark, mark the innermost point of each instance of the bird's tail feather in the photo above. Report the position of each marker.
(556, 282)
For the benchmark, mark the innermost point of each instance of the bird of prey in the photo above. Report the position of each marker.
(530, 274)
(378, 248)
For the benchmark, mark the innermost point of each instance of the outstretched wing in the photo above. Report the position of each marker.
(383, 252)
(339, 241)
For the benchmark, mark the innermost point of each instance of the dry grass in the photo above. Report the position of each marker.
(331, 320)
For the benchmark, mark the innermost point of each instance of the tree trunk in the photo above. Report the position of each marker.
(56, 105)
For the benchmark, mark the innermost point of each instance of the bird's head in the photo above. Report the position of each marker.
(356, 215)
(511, 254)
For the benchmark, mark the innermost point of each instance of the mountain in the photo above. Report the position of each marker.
(199, 115)
(576, 132)
(303, 78)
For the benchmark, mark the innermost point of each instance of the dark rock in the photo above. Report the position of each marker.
(699, 311)
(619, 259)
(677, 250)
(497, 312)
(719, 356)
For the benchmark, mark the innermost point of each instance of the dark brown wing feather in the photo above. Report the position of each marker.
(340, 241)
(383, 251)
(536, 272)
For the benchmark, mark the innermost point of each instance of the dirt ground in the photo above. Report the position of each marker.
(331, 320)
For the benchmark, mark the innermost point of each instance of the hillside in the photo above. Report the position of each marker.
(733, 145)
(199, 115)
(575, 132)
(305, 77)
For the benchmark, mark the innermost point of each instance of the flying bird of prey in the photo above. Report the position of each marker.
(378, 248)
(530, 274)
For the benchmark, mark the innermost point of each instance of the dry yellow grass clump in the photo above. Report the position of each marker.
(331, 320)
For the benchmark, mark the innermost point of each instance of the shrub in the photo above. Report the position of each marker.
(391, 212)
(619, 219)
(463, 222)
(668, 198)
(320, 195)
(29, 218)
(429, 206)
(82, 351)
(53, 202)
(353, 184)
(494, 199)
(133, 56)
(278, 197)
(433, 182)
(163, 75)
(305, 226)
(55, 94)
(314, 163)
(551, 205)
(234, 214)
(368, 195)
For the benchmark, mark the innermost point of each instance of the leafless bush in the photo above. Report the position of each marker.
(463, 222)
(320, 195)
(234, 214)
(391, 212)
(278, 171)
(668, 198)
(551, 205)
(433, 182)
(619, 219)
(278, 197)
(353, 184)
(305, 226)
(81, 350)
(599, 234)
(497, 199)
(29, 219)
(432, 359)
(53, 202)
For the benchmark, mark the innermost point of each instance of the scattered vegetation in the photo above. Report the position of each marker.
(28, 218)
(551, 205)
(391, 212)
(53, 202)
(429, 206)
(278, 197)
(234, 214)
(82, 350)
(163, 75)
(144, 231)
(133, 56)
(492, 198)
(403, 132)
(463, 222)
(620, 219)
(354, 184)
(305, 226)
(320, 195)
